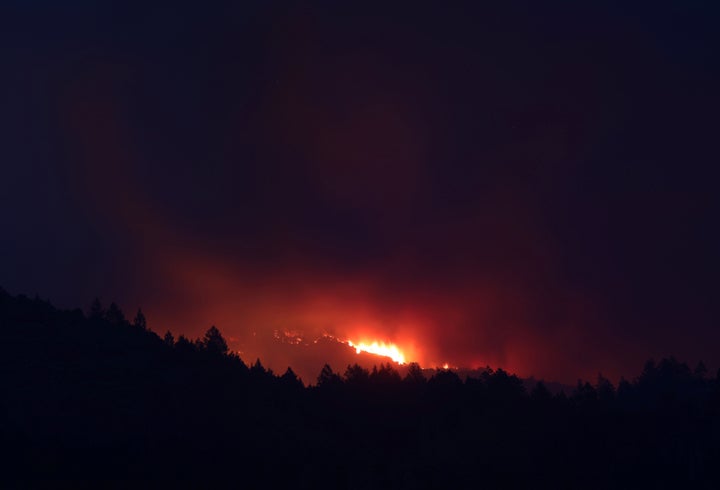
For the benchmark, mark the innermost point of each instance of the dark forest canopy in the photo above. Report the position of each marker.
(99, 396)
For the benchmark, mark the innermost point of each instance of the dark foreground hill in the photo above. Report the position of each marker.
(98, 397)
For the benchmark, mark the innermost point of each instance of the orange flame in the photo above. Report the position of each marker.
(380, 348)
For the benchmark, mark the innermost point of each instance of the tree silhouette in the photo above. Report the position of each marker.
(139, 321)
(540, 393)
(414, 376)
(387, 375)
(605, 389)
(624, 390)
(328, 379)
(258, 369)
(169, 339)
(97, 312)
(503, 387)
(445, 380)
(184, 347)
(585, 393)
(701, 370)
(290, 379)
(357, 375)
(214, 343)
(114, 315)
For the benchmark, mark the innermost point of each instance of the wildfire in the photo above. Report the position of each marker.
(381, 349)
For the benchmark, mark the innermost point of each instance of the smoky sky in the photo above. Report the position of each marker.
(515, 184)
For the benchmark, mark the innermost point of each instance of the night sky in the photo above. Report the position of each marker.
(530, 185)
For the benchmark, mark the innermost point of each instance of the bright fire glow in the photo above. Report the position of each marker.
(381, 349)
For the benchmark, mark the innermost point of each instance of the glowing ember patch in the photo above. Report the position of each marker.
(446, 366)
(381, 349)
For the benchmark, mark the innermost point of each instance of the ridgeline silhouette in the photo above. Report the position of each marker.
(99, 397)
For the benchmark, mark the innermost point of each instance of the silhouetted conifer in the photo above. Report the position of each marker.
(214, 343)
(357, 375)
(97, 312)
(624, 390)
(139, 321)
(585, 393)
(328, 379)
(114, 315)
(502, 386)
(414, 375)
(605, 389)
(386, 375)
(260, 372)
(540, 393)
(184, 346)
(445, 379)
(290, 379)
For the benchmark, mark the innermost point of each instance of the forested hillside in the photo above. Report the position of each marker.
(103, 397)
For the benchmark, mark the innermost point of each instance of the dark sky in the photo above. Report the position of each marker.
(529, 185)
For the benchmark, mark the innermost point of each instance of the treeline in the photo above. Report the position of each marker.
(98, 396)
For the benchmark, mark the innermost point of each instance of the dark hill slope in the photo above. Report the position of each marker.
(98, 397)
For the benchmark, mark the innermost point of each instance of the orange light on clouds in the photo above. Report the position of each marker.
(381, 349)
